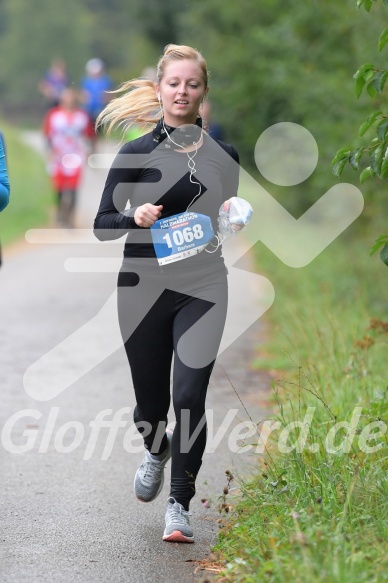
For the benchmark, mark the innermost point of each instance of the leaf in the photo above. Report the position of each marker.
(384, 166)
(361, 76)
(368, 5)
(384, 254)
(360, 3)
(383, 40)
(369, 122)
(379, 81)
(379, 242)
(339, 166)
(363, 128)
(372, 160)
(362, 70)
(373, 116)
(382, 129)
(355, 157)
(376, 158)
(359, 86)
(366, 173)
(371, 88)
(381, 152)
(340, 154)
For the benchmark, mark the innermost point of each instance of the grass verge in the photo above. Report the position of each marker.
(31, 199)
(317, 510)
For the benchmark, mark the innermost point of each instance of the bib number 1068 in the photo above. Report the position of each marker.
(186, 235)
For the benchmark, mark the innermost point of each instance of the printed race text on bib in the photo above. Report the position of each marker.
(181, 236)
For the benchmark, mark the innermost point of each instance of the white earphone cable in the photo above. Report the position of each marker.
(191, 165)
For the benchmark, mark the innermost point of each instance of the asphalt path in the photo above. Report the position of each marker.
(68, 510)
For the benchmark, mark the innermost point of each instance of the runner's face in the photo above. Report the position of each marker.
(181, 90)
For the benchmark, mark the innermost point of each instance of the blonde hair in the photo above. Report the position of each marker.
(138, 103)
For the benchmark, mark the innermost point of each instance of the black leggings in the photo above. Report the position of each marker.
(156, 308)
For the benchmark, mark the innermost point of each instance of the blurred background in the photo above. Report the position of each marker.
(269, 61)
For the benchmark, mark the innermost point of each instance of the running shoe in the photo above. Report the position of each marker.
(178, 529)
(149, 477)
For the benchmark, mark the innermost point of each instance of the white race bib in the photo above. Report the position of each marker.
(181, 236)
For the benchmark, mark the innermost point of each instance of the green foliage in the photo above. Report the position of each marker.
(374, 79)
(31, 200)
(315, 516)
(361, 76)
(367, 4)
(383, 40)
(270, 63)
(369, 122)
(30, 42)
(377, 149)
(384, 254)
(163, 26)
(381, 241)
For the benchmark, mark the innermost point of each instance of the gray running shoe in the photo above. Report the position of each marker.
(149, 477)
(178, 529)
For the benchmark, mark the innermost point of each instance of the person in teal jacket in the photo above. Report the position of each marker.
(4, 182)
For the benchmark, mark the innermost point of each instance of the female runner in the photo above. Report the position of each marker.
(172, 287)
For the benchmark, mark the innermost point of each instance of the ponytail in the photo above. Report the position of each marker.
(137, 104)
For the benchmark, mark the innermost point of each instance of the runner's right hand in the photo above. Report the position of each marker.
(146, 214)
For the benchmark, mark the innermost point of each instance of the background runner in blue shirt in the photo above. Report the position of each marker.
(94, 87)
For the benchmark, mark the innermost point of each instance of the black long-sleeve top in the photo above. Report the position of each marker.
(162, 177)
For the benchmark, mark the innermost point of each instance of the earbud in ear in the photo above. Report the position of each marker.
(159, 97)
